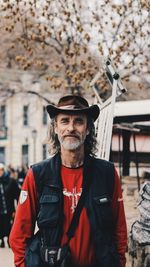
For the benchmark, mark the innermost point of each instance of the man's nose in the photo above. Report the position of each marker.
(71, 127)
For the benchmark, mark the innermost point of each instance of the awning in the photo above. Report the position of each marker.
(132, 111)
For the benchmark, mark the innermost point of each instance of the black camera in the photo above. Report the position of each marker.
(56, 256)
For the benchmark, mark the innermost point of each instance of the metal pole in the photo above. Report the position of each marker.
(136, 161)
(34, 149)
(119, 139)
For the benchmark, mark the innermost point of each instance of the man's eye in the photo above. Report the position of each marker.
(64, 121)
(80, 121)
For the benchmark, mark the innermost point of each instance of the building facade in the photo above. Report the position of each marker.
(23, 129)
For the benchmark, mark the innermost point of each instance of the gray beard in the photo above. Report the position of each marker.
(67, 145)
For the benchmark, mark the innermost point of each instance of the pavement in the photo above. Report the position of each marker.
(6, 257)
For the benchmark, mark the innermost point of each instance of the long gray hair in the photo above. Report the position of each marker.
(90, 143)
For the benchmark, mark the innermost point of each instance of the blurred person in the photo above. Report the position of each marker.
(22, 171)
(13, 173)
(71, 188)
(9, 192)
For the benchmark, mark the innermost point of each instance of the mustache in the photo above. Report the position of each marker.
(71, 135)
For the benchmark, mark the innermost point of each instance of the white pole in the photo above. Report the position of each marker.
(110, 119)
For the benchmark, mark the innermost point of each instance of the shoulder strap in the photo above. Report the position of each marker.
(76, 216)
(80, 205)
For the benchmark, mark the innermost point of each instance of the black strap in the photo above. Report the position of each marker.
(76, 215)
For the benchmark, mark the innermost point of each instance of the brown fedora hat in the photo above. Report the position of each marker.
(73, 104)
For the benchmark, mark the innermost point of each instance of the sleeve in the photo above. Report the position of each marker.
(120, 221)
(24, 222)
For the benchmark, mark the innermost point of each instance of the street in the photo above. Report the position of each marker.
(6, 257)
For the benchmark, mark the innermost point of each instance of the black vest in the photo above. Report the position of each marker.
(98, 205)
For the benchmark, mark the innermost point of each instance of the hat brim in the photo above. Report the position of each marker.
(92, 111)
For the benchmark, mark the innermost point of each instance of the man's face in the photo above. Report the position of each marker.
(71, 130)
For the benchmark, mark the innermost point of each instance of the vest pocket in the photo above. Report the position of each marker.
(103, 211)
(49, 210)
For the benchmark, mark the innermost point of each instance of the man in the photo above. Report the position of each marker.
(100, 237)
(9, 192)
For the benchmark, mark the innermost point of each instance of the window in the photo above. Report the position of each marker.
(44, 116)
(25, 155)
(2, 115)
(25, 115)
(44, 151)
(2, 155)
(3, 128)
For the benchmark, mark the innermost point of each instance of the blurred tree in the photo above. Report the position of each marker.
(67, 40)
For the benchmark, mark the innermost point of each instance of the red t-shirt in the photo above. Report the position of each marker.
(81, 243)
